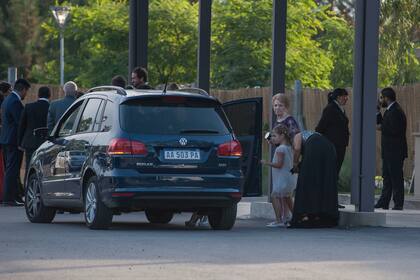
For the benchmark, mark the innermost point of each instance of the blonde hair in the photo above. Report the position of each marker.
(283, 130)
(282, 98)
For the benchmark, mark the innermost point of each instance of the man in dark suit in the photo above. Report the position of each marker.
(393, 125)
(33, 116)
(334, 125)
(58, 107)
(11, 110)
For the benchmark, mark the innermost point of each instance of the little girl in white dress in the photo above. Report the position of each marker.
(283, 181)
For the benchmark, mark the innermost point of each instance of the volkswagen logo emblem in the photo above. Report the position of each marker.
(183, 141)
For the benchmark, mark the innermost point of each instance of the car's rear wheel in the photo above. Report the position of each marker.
(223, 218)
(36, 211)
(97, 215)
(159, 216)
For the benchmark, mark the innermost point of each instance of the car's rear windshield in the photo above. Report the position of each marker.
(173, 115)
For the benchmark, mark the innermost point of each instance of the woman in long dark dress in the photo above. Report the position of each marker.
(316, 190)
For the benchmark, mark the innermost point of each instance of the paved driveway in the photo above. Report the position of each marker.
(134, 249)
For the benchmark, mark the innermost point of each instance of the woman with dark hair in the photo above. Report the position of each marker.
(334, 125)
(316, 189)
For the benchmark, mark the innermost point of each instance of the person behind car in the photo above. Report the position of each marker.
(11, 110)
(34, 116)
(58, 107)
(5, 90)
(119, 81)
(139, 78)
(79, 94)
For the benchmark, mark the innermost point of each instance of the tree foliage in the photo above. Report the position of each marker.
(399, 37)
(173, 40)
(319, 41)
(96, 40)
(338, 40)
(242, 44)
(20, 41)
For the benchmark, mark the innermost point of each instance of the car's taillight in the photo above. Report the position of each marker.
(120, 146)
(228, 149)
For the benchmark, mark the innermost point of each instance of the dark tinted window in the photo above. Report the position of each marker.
(66, 126)
(242, 118)
(88, 117)
(173, 115)
(107, 117)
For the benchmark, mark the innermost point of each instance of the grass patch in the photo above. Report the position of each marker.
(344, 180)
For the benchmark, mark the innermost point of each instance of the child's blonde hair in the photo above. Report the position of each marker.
(283, 130)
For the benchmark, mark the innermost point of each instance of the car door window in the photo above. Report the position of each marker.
(87, 119)
(67, 124)
(98, 120)
(107, 117)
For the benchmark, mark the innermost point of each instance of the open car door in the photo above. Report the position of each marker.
(245, 116)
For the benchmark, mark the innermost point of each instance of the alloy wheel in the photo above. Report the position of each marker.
(90, 205)
(33, 198)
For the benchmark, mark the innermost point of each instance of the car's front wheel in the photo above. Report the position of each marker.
(36, 211)
(97, 215)
(223, 218)
(159, 216)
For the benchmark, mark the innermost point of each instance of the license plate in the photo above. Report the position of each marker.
(182, 154)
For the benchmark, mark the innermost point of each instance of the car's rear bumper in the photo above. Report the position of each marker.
(173, 198)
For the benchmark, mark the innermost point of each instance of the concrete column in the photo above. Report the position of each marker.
(364, 103)
(138, 34)
(204, 30)
(278, 60)
(132, 39)
(278, 57)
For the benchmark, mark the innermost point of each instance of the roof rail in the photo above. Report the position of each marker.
(194, 90)
(119, 90)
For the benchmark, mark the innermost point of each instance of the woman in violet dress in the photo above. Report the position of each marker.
(281, 109)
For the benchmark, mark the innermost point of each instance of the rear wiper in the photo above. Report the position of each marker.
(199, 131)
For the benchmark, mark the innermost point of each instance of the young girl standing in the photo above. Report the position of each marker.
(283, 180)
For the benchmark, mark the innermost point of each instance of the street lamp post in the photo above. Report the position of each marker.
(61, 14)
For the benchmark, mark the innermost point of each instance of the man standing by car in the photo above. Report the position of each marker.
(33, 116)
(11, 111)
(58, 107)
(393, 125)
(139, 78)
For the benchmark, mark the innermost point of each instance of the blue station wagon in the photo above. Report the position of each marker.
(117, 151)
